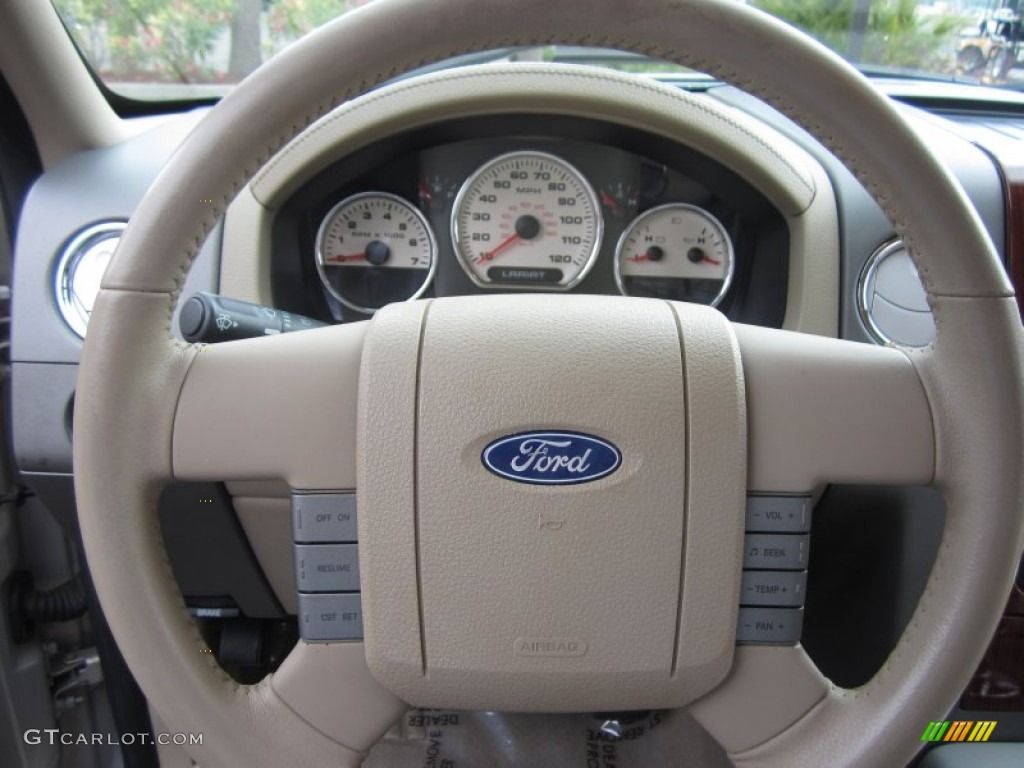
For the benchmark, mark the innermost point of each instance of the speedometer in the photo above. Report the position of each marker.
(526, 220)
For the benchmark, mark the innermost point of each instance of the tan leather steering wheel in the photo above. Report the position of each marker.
(799, 411)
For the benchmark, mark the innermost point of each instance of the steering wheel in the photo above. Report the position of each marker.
(731, 408)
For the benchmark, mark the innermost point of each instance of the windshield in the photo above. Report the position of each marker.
(190, 49)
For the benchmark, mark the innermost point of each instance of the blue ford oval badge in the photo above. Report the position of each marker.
(551, 458)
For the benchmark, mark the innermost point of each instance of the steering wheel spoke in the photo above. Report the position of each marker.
(331, 688)
(821, 411)
(768, 689)
(275, 408)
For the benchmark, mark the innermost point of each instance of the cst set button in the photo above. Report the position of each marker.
(327, 617)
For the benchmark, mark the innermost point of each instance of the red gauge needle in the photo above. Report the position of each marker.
(506, 243)
(425, 191)
(349, 257)
(609, 201)
(699, 256)
(654, 253)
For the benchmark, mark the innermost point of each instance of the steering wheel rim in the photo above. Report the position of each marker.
(132, 372)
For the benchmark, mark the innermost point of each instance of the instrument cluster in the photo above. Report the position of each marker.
(524, 213)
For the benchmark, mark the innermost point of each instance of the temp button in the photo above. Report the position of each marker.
(783, 588)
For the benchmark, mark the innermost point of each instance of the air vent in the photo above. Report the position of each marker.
(892, 301)
(80, 270)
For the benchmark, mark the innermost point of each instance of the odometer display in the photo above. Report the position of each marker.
(526, 220)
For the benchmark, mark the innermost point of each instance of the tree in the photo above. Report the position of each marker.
(150, 39)
(896, 35)
(245, 39)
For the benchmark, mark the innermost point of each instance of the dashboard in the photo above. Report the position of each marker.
(521, 203)
(781, 236)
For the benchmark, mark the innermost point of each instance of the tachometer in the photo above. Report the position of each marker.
(527, 220)
(373, 249)
(675, 251)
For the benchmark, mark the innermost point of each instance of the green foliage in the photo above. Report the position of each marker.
(290, 19)
(897, 34)
(148, 39)
(176, 40)
(827, 20)
(173, 40)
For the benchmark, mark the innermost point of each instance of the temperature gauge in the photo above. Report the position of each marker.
(675, 251)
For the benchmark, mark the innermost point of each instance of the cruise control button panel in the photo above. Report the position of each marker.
(327, 566)
(775, 555)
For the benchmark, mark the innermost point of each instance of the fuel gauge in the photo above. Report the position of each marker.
(675, 251)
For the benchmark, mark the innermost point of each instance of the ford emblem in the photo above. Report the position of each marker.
(551, 458)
